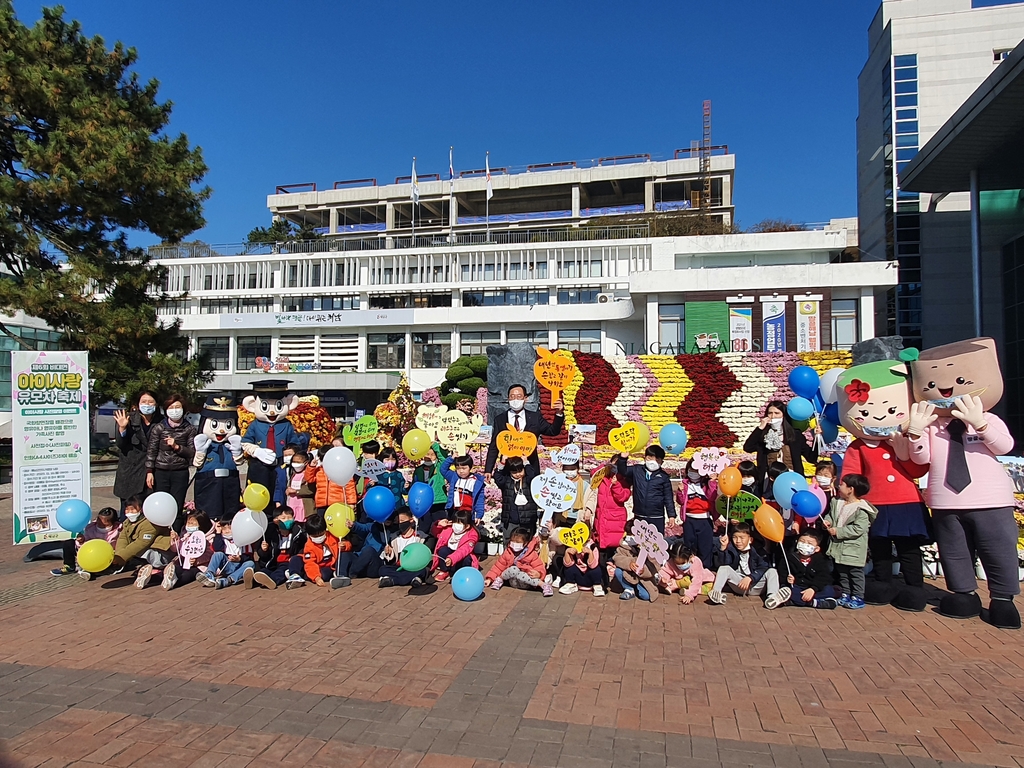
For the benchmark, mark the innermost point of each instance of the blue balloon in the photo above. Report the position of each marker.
(831, 412)
(786, 486)
(379, 503)
(818, 402)
(800, 409)
(73, 515)
(806, 504)
(468, 583)
(829, 431)
(673, 438)
(421, 499)
(837, 459)
(804, 381)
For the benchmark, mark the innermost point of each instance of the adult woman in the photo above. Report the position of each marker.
(776, 439)
(170, 452)
(132, 438)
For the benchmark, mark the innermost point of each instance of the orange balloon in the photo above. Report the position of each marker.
(768, 523)
(730, 482)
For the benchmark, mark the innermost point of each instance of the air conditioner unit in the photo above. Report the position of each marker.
(605, 298)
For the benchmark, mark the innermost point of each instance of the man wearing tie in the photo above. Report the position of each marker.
(522, 420)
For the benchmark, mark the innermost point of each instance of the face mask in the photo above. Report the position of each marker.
(880, 431)
(191, 528)
(571, 473)
(824, 482)
(298, 467)
(516, 405)
(693, 476)
(515, 546)
(428, 465)
(287, 524)
(318, 539)
(147, 409)
(804, 548)
(684, 567)
(652, 465)
(748, 481)
(175, 414)
(406, 527)
(226, 536)
(776, 423)
(132, 516)
(458, 528)
(389, 465)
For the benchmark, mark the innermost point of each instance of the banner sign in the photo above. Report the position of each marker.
(808, 327)
(741, 328)
(774, 326)
(50, 431)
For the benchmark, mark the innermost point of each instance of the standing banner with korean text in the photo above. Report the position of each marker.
(808, 327)
(50, 436)
(774, 325)
(741, 328)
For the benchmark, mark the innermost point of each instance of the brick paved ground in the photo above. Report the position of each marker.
(102, 674)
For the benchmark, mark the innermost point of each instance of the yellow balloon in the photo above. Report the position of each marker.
(644, 436)
(95, 555)
(339, 519)
(256, 497)
(415, 444)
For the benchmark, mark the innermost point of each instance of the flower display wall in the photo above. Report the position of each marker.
(718, 397)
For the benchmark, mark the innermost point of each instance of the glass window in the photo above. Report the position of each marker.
(906, 101)
(252, 280)
(907, 140)
(540, 270)
(906, 154)
(216, 306)
(476, 342)
(844, 323)
(578, 295)
(905, 60)
(672, 328)
(218, 349)
(906, 87)
(255, 306)
(907, 126)
(431, 350)
(208, 283)
(315, 277)
(580, 341)
(293, 276)
(385, 350)
(906, 114)
(527, 337)
(906, 73)
(229, 282)
(248, 348)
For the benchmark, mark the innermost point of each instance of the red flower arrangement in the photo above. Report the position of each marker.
(601, 385)
(698, 413)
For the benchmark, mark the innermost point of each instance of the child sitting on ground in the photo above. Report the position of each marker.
(684, 572)
(319, 557)
(105, 527)
(270, 573)
(390, 574)
(744, 570)
(810, 574)
(581, 570)
(455, 545)
(848, 522)
(631, 576)
(227, 567)
(519, 565)
(196, 536)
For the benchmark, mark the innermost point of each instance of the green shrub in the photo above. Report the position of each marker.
(457, 373)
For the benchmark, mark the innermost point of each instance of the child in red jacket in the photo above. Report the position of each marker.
(455, 543)
(520, 565)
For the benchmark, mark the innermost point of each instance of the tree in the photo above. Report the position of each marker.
(85, 158)
(777, 225)
(281, 231)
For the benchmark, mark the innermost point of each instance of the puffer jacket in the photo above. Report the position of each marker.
(133, 446)
(160, 456)
(627, 554)
(610, 515)
(527, 560)
(140, 536)
(851, 523)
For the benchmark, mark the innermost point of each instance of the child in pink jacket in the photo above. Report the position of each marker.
(105, 526)
(520, 565)
(455, 542)
(582, 570)
(684, 572)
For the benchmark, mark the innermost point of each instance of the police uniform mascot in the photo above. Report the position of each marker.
(218, 448)
(270, 432)
(953, 431)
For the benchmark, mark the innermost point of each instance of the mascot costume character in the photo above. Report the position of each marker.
(218, 447)
(971, 495)
(874, 405)
(271, 432)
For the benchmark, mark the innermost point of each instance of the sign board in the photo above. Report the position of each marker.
(808, 327)
(741, 328)
(774, 326)
(50, 429)
(283, 365)
(553, 492)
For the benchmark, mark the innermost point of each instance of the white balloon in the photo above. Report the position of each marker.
(246, 527)
(828, 384)
(160, 508)
(339, 464)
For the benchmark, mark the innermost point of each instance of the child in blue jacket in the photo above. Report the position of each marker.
(393, 480)
(465, 487)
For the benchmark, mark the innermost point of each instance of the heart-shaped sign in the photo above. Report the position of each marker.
(742, 507)
(553, 492)
(625, 438)
(575, 537)
(570, 454)
(511, 442)
(554, 370)
(428, 418)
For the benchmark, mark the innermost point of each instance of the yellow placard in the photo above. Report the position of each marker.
(554, 370)
(575, 537)
(625, 438)
(511, 442)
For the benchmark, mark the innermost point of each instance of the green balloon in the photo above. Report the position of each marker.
(414, 558)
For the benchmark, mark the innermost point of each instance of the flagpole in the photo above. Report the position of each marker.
(488, 196)
(451, 195)
(415, 199)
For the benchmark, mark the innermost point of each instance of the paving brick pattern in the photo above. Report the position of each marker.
(102, 674)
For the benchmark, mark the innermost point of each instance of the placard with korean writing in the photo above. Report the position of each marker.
(50, 435)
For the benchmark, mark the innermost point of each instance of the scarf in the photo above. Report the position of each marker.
(773, 439)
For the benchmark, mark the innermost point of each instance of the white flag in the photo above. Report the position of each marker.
(415, 185)
(487, 166)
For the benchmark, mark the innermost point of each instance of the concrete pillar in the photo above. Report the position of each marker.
(866, 314)
(361, 354)
(976, 248)
(332, 225)
(453, 211)
(651, 329)
(552, 338)
(389, 217)
(576, 201)
(408, 352)
(648, 196)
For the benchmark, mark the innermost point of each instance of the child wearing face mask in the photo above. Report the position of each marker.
(296, 478)
(652, 487)
(197, 534)
(520, 565)
(105, 527)
(848, 521)
(695, 497)
(455, 543)
(429, 472)
(392, 479)
(745, 571)
(390, 575)
(581, 570)
(748, 471)
(465, 488)
(810, 574)
(140, 544)
(229, 562)
(319, 557)
(572, 471)
(518, 509)
(326, 492)
(684, 572)
(632, 576)
(825, 478)
(272, 567)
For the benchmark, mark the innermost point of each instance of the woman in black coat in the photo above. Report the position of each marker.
(132, 439)
(170, 453)
(776, 439)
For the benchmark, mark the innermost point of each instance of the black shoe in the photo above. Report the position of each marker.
(910, 599)
(1003, 614)
(416, 582)
(826, 603)
(961, 605)
(877, 592)
(385, 581)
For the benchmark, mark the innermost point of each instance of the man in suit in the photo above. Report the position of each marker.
(523, 421)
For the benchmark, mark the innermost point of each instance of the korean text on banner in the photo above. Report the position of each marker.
(808, 327)
(774, 326)
(50, 430)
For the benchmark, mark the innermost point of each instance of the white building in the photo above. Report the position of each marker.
(925, 59)
(343, 315)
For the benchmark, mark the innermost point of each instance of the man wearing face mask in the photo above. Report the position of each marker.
(521, 420)
(652, 487)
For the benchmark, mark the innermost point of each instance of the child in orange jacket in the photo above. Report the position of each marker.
(519, 565)
(319, 558)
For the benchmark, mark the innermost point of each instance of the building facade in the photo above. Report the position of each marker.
(925, 57)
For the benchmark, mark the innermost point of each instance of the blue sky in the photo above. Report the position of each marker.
(284, 92)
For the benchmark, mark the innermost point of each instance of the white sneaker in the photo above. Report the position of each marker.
(170, 578)
(568, 589)
(779, 598)
(547, 579)
(555, 584)
(143, 576)
(598, 590)
(717, 597)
